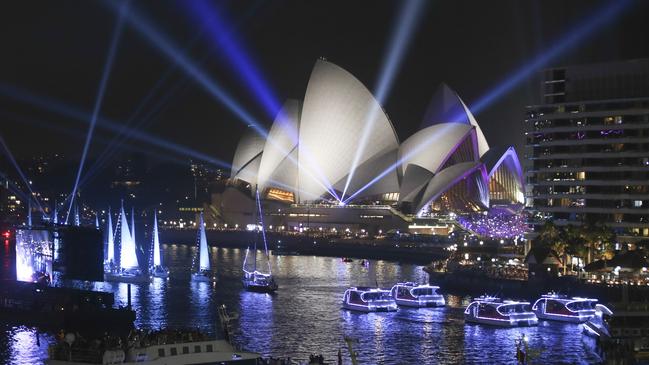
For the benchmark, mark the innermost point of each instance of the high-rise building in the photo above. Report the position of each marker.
(587, 148)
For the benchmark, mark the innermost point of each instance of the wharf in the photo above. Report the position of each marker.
(475, 284)
(419, 251)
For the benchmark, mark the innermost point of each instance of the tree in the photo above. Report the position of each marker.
(553, 237)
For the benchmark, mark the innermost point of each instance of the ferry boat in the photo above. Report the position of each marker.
(203, 271)
(255, 280)
(411, 294)
(184, 352)
(562, 308)
(620, 328)
(155, 268)
(128, 270)
(365, 299)
(494, 311)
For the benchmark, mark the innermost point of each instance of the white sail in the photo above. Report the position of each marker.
(110, 238)
(128, 255)
(204, 259)
(157, 260)
(133, 223)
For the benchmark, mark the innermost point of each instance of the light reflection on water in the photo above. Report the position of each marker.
(305, 317)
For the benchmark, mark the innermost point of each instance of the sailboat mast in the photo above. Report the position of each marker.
(254, 250)
(263, 232)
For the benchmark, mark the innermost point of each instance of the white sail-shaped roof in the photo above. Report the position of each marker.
(334, 114)
(452, 175)
(430, 147)
(249, 171)
(128, 254)
(250, 146)
(280, 149)
(446, 106)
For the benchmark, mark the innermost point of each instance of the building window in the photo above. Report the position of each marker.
(161, 352)
(637, 203)
(174, 351)
(185, 349)
(197, 348)
(209, 348)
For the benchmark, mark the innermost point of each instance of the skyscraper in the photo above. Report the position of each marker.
(587, 148)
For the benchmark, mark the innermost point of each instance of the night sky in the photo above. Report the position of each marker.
(58, 49)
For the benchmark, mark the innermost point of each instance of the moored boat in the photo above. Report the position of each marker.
(620, 328)
(365, 299)
(416, 295)
(562, 308)
(493, 311)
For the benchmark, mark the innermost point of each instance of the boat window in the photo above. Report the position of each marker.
(354, 296)
(197, 348)
(513, 308)
(423, 291)
(375, 296)
(209, 348)
(185, 349)
(173, 351)
(161, 352)
(575, 306)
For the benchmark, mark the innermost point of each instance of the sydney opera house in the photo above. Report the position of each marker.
(334, 161)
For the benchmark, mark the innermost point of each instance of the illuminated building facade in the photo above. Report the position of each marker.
(587, 147)
(309, 157)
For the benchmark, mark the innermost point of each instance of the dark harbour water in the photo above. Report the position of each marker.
(305, 317)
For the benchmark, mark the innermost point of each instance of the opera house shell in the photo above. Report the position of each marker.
(314, 153)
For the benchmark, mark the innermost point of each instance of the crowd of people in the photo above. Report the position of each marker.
(494, 271)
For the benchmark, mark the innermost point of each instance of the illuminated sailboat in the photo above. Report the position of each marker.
(255, 280)
(155, 267)
(202, 271)
(129, 268)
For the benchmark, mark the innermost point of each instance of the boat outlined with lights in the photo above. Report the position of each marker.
(130, 275)
(201, 265)
(557, 307)
(156, 269)
(259, 282)
(253, 279)
(128, 270)
(366, 299)
(411, 294)
(494, 311)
